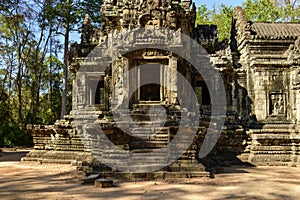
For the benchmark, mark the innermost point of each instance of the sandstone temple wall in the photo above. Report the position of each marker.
(260, 71)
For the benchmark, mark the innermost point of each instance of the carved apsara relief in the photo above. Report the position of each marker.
(277, 104)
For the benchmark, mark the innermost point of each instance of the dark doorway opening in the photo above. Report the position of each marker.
(150, 82)
(99, 96)
(202, 93)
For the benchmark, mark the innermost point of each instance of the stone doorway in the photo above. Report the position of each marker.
(151, 74)
(148, 79)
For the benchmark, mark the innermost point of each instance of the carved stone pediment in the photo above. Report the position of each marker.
(154, 52)
(148, 14)
(148, 54)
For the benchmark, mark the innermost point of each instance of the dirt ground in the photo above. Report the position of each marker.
(48, 181)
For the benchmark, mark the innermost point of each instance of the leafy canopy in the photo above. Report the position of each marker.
(256, 11)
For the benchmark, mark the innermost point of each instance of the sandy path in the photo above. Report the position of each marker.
(48, 181)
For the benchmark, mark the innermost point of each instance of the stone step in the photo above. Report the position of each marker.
(157, 119)
(154, 175)
(149, 160)
(279, 163)
(264, 135)
(279, 125)
(138, 167)
(142, 130)
(142, 113)
(149, 134)
(151, 139)
(147, 145)
(45, 160)
(153, 157)
(139, 157)
(147, 111)
(165, 138)
(149, 129)
(152, 136)
(271, 148)
(125, 155)
(148, 123)
(271, 152)
(161, 152)
(268, 158)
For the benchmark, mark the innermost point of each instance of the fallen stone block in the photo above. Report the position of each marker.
(104, 183)
(90, 179)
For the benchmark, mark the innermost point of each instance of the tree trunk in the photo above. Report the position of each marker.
(65, 79)
(19, 87)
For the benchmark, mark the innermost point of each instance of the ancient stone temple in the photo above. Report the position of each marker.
(265, 56)
(147, 92)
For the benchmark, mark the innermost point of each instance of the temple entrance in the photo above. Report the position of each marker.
(150, 74)
(148, 79)
(202, 93)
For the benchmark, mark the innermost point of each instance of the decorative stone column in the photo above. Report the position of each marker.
(172, 83)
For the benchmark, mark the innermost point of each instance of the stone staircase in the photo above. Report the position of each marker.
(151, 129)
(143, 140)
(274, 144)
(149, 138)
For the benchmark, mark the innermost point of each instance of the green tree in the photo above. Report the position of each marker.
(4, 113)
(65, 13)
(24, 43)
(30, 79)
(220, 16)
(262, 11)
(290, 9)
(203, 15)
(68, 14)
(256, 11)
(92, 9)
(51, 92)
(16, 37)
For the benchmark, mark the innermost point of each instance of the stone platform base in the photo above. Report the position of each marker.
(275, 145)
(60, 157)
(153, 175)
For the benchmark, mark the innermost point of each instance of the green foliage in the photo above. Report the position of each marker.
(92, 9)
(12, 135)
(67, 14)
(220, 16)
(51, 92)
(256, 11)
(203, 15)
(31, 33)
(290, 13)
(262, 11)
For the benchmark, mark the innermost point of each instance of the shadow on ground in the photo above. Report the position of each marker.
(12, 155)
(48, 181)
